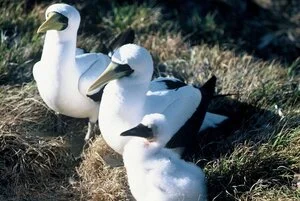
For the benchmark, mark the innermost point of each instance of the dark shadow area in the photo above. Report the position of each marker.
(269, 31)
(72, 130)
(247, 124)
(230, 183)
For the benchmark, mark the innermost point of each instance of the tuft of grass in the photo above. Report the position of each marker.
(246, 168)
(240, 74)
(32, 165)
(27, 162)
(164, 47)
(19, 44)
(136, 16)
(98, 180)
(253, 170)
(23, 111)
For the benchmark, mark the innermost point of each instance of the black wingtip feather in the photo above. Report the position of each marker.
(123, 38)
(208, 88)
(173, 84)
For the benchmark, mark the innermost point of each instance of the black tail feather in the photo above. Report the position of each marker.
(208, 88)
(123, 38)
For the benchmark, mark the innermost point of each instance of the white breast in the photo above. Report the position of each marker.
(162, 176)
(58, 87)
(48, 86)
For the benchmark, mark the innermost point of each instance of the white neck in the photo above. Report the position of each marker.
(121, 108)
(128, 99)
(57, 50)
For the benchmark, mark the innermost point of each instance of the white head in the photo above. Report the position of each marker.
(157, 123)
(154, 127)
(130, 63)
(62, 19)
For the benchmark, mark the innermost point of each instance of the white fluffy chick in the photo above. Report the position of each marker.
(157, 173)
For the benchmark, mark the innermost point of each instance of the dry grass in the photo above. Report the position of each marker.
(163, 46)
(30, 166)
(255, 169)
(23, 111)
(254, 158)
(98, 180)
(236, 73)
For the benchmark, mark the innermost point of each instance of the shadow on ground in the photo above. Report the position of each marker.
(237, 149)
(267, 29)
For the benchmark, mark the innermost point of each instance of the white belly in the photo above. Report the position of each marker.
(111, 132)
(115, 117)
(61, 93)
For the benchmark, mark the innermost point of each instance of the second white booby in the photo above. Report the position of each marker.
(127, 98)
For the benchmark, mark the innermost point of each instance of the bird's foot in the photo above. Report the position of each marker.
(59, 123)
(90, 132)
(111, 162)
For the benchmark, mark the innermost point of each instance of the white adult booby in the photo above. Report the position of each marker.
(128, 88)
(64, 72)
(157, 173)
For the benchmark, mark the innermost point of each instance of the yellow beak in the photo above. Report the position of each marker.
(112, 72)
(55, 21)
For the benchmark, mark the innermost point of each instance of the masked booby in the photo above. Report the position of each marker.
(127, 98)
(65, 72)
(157, 173)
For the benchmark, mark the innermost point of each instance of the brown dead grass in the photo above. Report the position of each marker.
(237, 73)
(30, 166)
(23, 111)
(164, 47)
(29, 163)
(99, 181)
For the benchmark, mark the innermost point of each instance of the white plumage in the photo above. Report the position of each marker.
(159, 87)
(129, 96)
(156, 173)
(64, 73)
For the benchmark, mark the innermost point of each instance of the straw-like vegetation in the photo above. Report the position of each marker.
(30, 165)
(99, 180)
(251, 46)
